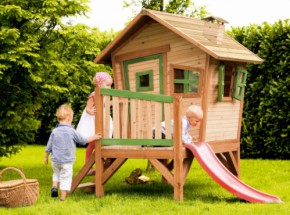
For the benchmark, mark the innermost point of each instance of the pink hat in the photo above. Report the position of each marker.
(100, 77)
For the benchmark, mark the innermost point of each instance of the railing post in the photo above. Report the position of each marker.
(99, 187)
(178, 160)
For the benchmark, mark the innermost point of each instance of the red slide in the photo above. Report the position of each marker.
(215, 169)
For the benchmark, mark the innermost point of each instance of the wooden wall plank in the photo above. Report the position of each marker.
(116, 117)
(133, 118)
(125, 118)
(149, 119)
(107, 116)
(167, 120)
(158, 120)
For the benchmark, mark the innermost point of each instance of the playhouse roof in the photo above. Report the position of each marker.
(209, 37)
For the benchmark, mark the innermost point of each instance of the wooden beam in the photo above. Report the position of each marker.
(224, 161)
(206, 81)
(231, 162)
(86, 185)
(178, 159)
(99, 189)
(163, 170)
(186, 167)
(143, 53)
(82, 173)
(112, 169)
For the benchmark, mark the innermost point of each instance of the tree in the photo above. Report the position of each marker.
(266, 116)
(43, 63)
(184, 7)
(76, 48)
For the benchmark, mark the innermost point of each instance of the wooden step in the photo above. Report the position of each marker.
(86, 185)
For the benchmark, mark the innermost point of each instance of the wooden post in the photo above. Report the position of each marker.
(203, 124)
(178, 160)
(99, 188)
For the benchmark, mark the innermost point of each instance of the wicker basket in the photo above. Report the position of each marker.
(20, 192)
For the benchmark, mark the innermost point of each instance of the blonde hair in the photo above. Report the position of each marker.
(63, 112)
(195, 110)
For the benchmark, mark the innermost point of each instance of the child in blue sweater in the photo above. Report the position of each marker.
(62, 147)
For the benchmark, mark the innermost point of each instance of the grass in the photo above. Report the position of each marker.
(202, 195)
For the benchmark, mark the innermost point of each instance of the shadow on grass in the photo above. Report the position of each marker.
(196, 189)
(203, 192)
(154, 189)
(208, 192)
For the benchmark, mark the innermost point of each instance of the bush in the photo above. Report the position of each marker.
(266, 116)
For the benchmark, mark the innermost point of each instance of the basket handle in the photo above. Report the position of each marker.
(16, 170)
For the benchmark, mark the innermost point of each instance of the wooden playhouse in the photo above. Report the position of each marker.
(163, 63)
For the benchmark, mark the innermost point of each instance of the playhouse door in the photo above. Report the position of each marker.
(144, 74)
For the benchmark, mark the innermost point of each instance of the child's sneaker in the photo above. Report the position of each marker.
(54, 192)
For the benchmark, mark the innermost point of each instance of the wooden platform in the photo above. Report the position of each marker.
(132, 139)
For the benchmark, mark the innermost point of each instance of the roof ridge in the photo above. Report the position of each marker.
(170, 14)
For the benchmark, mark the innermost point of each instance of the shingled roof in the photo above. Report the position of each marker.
(208, 36)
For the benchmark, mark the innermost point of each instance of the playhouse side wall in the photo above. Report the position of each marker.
(223, 117)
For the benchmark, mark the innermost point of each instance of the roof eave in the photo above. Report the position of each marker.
(240, 60)
(105, 56)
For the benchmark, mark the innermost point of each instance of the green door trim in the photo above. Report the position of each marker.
(140, 59)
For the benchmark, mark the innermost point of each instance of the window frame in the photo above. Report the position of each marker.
(186, 68)
(221, 82)
(139, 88)
(234, 83)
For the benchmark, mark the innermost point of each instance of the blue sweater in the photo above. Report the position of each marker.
(62, 143)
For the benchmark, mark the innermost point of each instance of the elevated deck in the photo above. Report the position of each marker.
(135, 116)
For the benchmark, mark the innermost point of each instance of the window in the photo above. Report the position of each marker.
(232, 80)
(186, 80)
(144, 81)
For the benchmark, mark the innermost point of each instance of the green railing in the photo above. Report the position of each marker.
(132, 99)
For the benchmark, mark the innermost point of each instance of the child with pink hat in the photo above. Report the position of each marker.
(86, 125)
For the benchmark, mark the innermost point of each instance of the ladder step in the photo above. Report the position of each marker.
(85, 185)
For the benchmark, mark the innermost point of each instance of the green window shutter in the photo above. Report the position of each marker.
(186, 81)
(240, 83)
(221, 82)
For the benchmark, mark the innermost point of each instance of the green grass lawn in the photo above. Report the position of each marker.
(202, 195)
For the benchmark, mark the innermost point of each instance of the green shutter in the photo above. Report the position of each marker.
(221, 82)
(240, 83)
(186, 81)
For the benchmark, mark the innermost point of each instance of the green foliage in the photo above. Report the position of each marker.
(73, 52)
(266, 119)
(43, 63)
(184, 7)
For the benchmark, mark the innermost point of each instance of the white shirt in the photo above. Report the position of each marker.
(186, 138)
